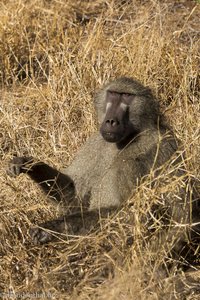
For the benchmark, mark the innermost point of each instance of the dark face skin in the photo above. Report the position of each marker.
(116, 126)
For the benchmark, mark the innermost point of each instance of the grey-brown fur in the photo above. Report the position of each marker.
(103, 175)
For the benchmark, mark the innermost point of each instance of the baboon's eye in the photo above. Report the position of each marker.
(127, 98)
(111, 95)
(126, 94)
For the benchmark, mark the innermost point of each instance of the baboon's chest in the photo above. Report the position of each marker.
(93, 172)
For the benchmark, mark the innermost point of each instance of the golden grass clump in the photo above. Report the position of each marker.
(53, 56)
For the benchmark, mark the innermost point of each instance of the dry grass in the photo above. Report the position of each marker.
(53, 56)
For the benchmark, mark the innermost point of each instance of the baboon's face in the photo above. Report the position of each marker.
(116, 125)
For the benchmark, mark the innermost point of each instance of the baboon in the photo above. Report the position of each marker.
(133, 140)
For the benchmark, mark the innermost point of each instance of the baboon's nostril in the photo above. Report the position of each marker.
(112, 122)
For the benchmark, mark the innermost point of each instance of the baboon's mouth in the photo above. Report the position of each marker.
(111, 137)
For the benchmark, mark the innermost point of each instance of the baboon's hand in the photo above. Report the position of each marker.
(40, 236)
(19, 165)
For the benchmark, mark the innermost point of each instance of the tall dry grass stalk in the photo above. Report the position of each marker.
(53, 56)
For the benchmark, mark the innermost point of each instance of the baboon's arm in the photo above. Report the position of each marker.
(80, 223)
(54, 183)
